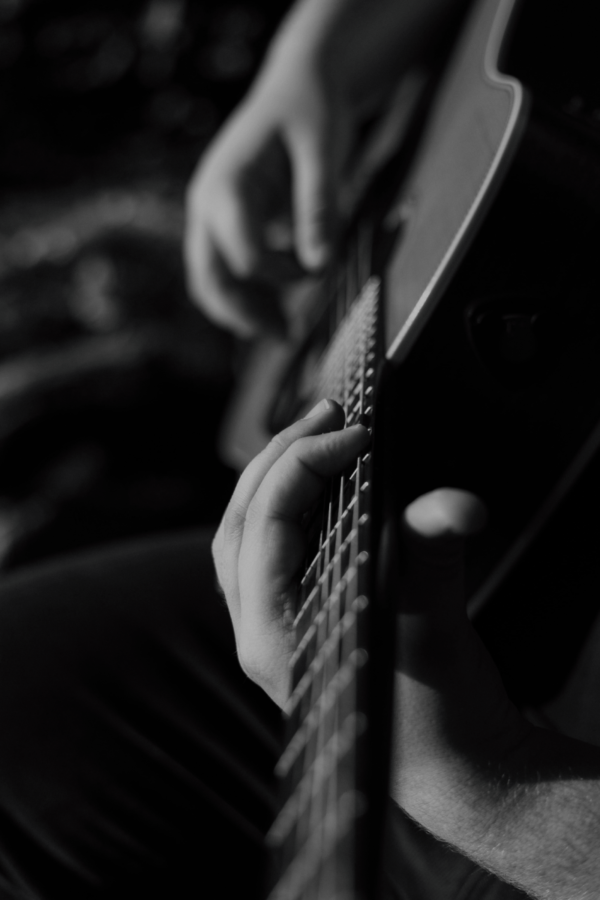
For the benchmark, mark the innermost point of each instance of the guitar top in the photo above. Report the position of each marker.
(469, 141)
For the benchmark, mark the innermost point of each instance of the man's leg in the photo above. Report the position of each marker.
(135, 757)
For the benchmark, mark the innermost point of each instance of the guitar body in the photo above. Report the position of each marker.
(475, 342)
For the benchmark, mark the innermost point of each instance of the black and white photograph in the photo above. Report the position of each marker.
(299, 450)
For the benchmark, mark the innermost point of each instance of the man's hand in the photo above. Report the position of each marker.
(454, 714)
(521, 801)
(263, 205)
(260, 545)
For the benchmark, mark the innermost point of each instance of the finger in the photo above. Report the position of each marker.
(314, 184)
(245, 241)
(274, 546)
(247, 309)
(238, 233)
(289, 489)
(325, 416)
(435, 527)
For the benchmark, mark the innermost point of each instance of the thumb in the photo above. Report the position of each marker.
(434, 529)
(316, 151)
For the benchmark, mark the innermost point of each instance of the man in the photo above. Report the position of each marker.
(135, 756)
(520, 800)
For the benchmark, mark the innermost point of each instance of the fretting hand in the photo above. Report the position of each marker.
(263, 205)
(261, 209)
(466, 765)
(260, 545)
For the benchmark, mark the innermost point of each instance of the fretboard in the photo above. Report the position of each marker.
(324, 794)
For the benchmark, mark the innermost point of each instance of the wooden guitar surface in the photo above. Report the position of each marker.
(474, 128)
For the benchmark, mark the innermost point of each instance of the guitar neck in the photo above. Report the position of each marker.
(325, 793)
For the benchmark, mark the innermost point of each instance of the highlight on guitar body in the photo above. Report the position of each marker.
(438, 332)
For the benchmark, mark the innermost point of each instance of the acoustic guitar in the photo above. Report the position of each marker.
(461, 323)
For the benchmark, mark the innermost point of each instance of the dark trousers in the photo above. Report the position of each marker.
(135, 757)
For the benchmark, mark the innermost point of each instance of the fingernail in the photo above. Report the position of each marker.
(321, 406)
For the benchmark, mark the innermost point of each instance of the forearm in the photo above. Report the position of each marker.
(522, 802)
(360, 45)
(544, 828)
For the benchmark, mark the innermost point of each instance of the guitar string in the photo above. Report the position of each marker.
(339, 787)
(329, 866)
(344, 301)
(336, 610)
(318, 798)
(351, 765)
(313, 815)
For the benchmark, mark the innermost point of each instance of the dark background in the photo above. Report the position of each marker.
(111, 384)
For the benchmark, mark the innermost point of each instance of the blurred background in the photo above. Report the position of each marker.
(112, 385)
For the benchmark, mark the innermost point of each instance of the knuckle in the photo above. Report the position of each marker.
(319, 455)
(279, 444)
(256, 514)
(305, 447)
(233, 522)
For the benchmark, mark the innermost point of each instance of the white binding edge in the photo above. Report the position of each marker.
(494, 76)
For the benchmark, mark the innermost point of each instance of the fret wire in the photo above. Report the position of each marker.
(321, 557)
(327, 889)
(332, 624)
(330, 695)
(352, 358)
(293, 882)
(325, 557)
(330, 627)
(341, 746)
(303, 612)
(330, 803)
(338, 782)
(322, 634)
(335, 746)
(355, 531)
(338, 585)
(314, 812)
